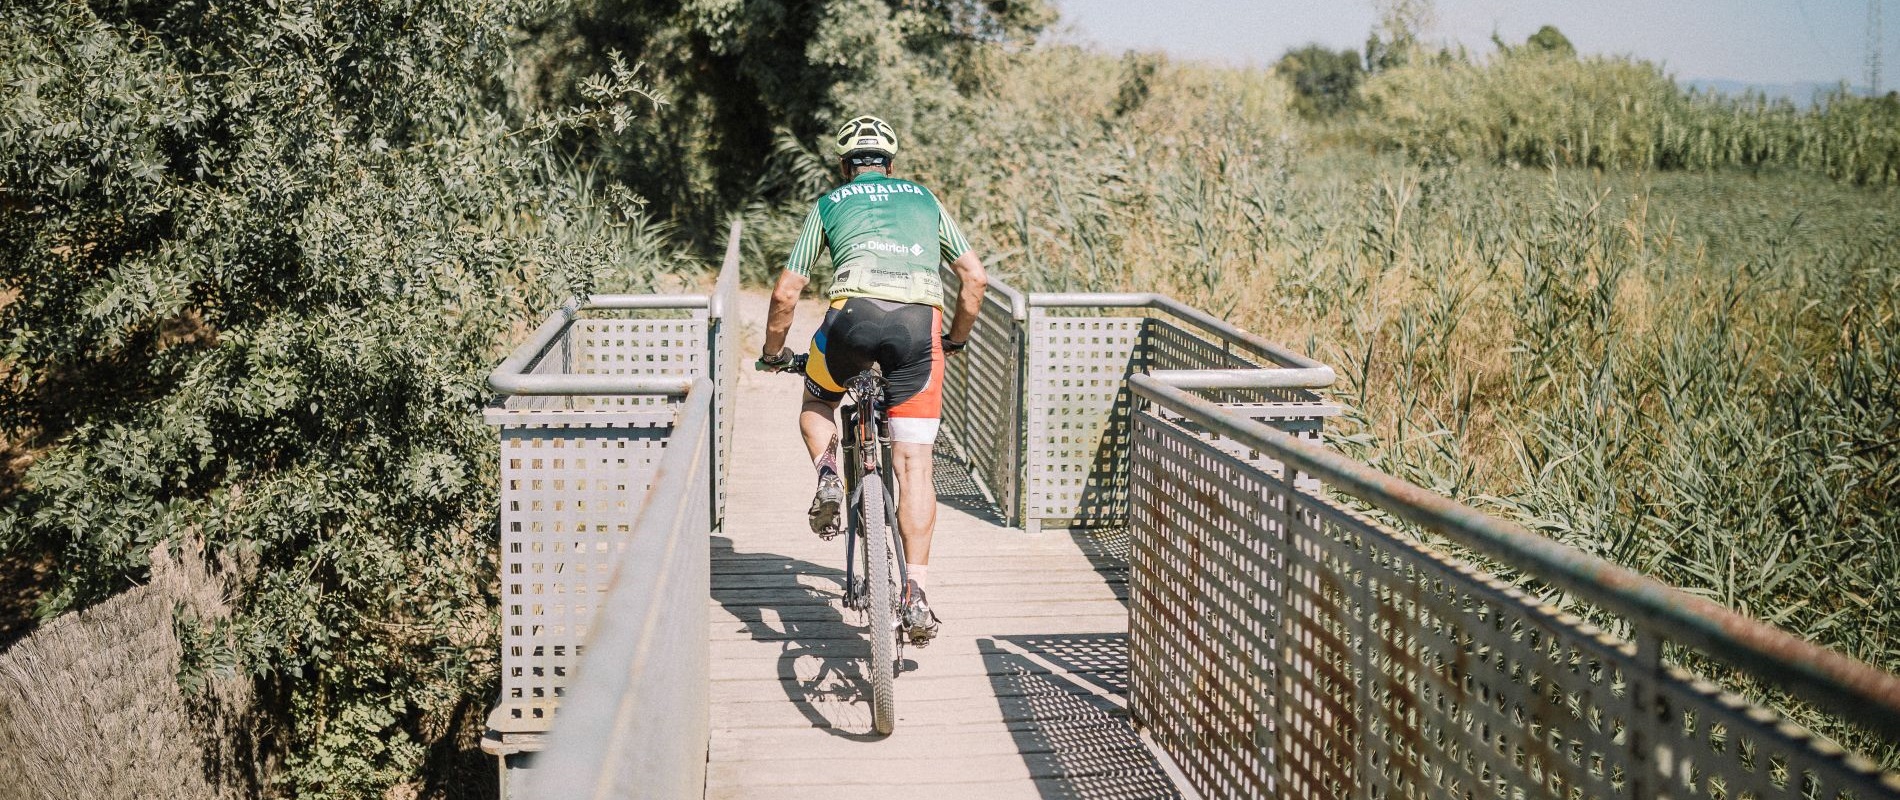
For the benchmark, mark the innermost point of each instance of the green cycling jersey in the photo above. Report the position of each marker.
(879, 230)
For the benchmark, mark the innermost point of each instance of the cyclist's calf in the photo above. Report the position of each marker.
(917, 503)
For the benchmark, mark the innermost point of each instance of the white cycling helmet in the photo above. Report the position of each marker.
(867, 133)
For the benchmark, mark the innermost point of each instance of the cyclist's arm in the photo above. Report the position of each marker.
(778, 320)
(970, 273)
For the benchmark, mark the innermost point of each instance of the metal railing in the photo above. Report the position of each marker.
(1282, 645)
(638, 725)
(1038, 404)
(593, 410)
(1076, 399)
(982, 411)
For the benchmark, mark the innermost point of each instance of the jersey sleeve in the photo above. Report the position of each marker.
(950, 240)
(811, 239)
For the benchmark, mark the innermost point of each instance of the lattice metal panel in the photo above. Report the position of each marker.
(981, 400)
(1077, 469)
(649, 650)
(1709, 743)
(1170, 346)
(637, 347)
(1305, 420)
(1282, 646)
(570, 492)
(574, 470)
(1077, 402)
(1206, 619)
(1300, 412)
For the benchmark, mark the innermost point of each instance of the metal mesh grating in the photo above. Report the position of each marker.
(573, 472)
(1077, 453)
(569, 496)
(1283, 646)
(637, 347)
(1076, 401)
(1305, 420)
(980, 397)
(649, 650)
(725, 365)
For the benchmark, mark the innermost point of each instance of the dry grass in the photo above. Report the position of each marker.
(90, 704)
(1693, 373)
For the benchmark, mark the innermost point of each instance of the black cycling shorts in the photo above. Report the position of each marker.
(902, 338)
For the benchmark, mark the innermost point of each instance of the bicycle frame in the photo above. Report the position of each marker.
(864, 442)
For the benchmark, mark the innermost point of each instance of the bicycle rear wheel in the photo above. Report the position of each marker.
(880, 572)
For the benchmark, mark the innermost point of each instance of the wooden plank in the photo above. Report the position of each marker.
(939, 580)
(1037, 681)
(1020, 697)
(968, 616)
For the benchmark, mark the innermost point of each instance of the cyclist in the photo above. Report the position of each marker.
(885, 236)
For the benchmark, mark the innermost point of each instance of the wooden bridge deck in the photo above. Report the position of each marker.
(1022, 696)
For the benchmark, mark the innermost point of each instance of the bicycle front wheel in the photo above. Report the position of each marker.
(880, 572)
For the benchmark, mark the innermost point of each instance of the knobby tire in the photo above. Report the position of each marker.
(879, 572)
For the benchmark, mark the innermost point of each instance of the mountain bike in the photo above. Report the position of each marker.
(871, 531)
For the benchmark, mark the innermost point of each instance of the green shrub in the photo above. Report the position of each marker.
(257, 259)
(1326, 82)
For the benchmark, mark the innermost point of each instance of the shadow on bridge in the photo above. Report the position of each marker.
(1064, 698)
(950, 476)
(821, 653)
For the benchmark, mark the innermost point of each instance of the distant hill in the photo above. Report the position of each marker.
(1801, 94)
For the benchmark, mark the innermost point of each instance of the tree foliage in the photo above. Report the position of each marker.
(740, 76)
(255, 258)
(1325, 82)
(1550, 41)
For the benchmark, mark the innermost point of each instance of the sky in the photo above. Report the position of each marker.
(1766, 42)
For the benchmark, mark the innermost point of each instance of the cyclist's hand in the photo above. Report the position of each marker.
(951, 346)
(782, 361)
(773, 362)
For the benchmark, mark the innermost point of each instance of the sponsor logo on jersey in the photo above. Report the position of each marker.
(876, 187)
(892, 248)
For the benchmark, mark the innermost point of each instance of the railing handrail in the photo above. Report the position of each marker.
(512, 376)
(601, 734)
(1018, 302)
(644, 302)
(1296, 371)
(1847, 687)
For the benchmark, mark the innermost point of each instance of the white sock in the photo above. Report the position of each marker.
(917, 572)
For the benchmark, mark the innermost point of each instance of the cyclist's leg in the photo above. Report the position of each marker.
(912, 357)
(829, 359)
(818, 426)
(917, 506)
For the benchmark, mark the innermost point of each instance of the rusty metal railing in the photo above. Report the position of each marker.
(1283, 645)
